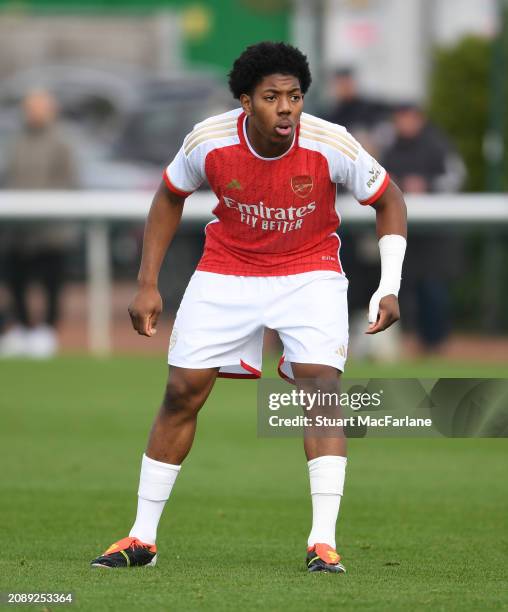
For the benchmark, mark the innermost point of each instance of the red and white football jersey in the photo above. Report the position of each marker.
(274, 216)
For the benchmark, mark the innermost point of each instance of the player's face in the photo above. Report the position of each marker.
(274, 109)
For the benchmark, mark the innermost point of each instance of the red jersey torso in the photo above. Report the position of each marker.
(274, 216)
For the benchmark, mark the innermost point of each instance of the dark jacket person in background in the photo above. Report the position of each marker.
(421, 160)
(351, 108)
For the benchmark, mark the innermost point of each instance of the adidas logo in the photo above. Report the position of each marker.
(234, 184)
(342, 351)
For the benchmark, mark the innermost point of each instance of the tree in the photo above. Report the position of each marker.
(460, 92)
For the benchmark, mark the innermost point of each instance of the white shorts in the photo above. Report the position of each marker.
(221, 321)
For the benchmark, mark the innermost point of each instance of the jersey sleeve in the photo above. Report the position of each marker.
(186, 172)
(359, 172)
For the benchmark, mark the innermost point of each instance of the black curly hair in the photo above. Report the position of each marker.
(264, 58)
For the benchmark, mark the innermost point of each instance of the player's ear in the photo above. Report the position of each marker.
(246, 102)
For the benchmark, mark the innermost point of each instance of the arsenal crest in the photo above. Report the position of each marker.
(302, 185)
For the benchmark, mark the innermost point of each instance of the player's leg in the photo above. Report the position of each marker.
(169, 443)
(325, 448)
(216, 327)
(321, 441)
(310, 315)
(175, 424)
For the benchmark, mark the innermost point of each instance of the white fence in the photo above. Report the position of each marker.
(96, 209)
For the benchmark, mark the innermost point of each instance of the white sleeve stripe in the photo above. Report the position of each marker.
(214, 121)
(212, 136)
(331, 128)
(231, 115)
(330, 142)
(222, 125)
(332, 136)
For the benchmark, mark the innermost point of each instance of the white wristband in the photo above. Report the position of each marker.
(392, 249)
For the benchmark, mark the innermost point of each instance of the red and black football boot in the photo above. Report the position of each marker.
(323, 558)
(128, 552)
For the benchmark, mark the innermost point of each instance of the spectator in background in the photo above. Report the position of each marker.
(361, 116)
(421, 160)
(40, 158)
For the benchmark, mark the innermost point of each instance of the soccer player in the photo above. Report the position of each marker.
(271, 259)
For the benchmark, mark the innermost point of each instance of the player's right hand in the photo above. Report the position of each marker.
(145, 309)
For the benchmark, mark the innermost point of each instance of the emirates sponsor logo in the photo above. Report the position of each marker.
(302, 185)
(269, 218)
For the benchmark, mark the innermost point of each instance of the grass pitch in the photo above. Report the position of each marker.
(422, 525)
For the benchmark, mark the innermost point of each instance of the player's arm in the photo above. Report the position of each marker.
(370, 184)
(391, 227)
(161, 225)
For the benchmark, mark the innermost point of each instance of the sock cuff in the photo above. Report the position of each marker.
(327, 460)
(157, 479)
(163, 466)
(327, 475)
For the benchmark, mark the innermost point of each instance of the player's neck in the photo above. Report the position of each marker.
(262, 146)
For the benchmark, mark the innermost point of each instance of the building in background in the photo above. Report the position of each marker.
(166, 35)
(390, 42)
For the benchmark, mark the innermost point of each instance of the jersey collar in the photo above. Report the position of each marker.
(242, 134)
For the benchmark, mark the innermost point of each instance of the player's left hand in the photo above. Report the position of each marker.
(388, 313)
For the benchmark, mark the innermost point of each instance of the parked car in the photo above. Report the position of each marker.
(125, 125)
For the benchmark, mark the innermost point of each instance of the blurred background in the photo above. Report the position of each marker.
(96, 97)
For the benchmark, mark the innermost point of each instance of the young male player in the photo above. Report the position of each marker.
(271, 259)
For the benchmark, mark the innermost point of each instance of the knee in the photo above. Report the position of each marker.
(314, 377)
(181, 396)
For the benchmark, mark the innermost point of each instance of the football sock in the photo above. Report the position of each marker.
(327, 476)
(155, 484)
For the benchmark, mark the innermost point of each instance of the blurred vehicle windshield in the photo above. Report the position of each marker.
(125, 125)
(155, 131)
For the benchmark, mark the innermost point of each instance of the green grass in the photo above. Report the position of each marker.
(422, 525)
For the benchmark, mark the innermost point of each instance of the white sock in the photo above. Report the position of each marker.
(326, 476)
(155, 484)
